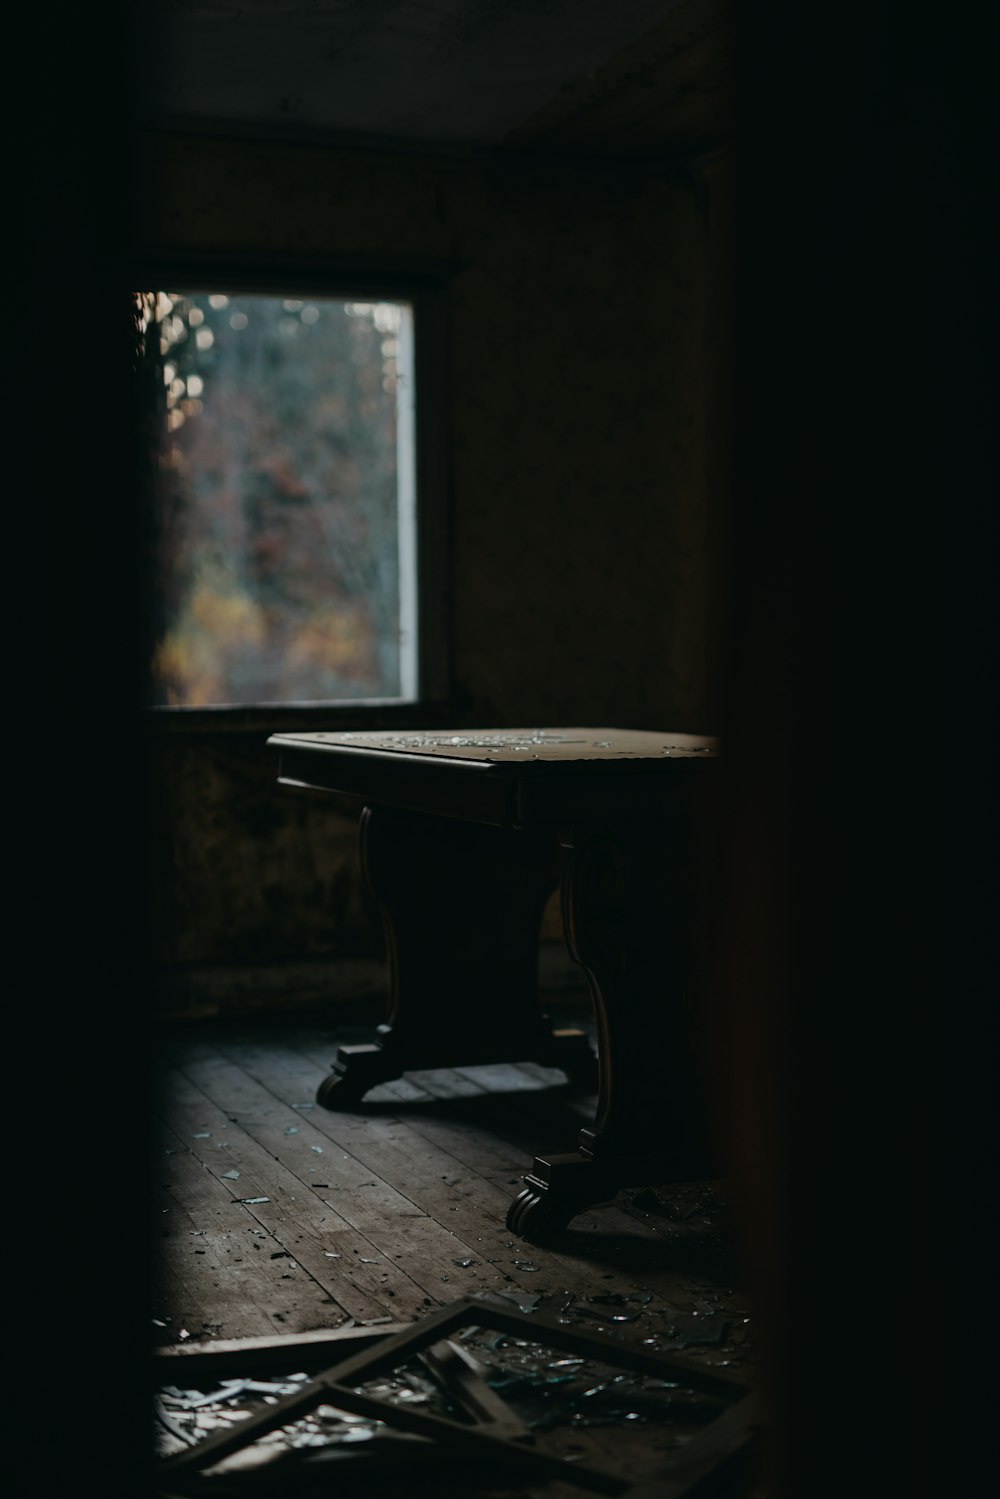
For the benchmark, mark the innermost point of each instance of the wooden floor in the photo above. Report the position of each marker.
(275, 1216)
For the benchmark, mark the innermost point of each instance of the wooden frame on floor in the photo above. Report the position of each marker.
(723, 1439)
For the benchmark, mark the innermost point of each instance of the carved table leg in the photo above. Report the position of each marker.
(628, 899)
(461, 906)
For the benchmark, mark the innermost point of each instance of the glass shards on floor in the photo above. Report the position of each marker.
(184, 1417)
(506, 1403)
(550, 1391)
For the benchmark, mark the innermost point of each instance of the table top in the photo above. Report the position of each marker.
(513, 746)
(507, 777)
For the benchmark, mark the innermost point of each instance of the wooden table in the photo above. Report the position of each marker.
(464, 836)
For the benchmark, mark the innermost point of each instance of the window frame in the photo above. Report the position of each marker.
(424, 286)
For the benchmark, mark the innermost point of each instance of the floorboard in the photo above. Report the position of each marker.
(273, 1215)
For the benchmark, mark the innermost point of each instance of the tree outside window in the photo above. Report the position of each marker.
(283, 533)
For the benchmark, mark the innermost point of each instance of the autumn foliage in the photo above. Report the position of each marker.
(274, 533)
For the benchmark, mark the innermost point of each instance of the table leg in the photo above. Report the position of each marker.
(630, 912)
(461, 906)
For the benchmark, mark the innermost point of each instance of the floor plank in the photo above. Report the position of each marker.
(250, 1275)
(408, 1144)
(382, 1214)
(360, 1280)
(485, 1130)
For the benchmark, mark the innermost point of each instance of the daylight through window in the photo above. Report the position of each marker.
(284, 536)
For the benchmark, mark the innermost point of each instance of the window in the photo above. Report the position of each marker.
(286, 554)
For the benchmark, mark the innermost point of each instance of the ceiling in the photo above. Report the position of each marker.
(472, 74)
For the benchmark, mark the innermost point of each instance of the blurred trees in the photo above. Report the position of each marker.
(274, 557)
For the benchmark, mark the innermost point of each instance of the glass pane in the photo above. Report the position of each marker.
(283, 540)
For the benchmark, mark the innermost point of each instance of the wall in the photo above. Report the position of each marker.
(587, 320)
